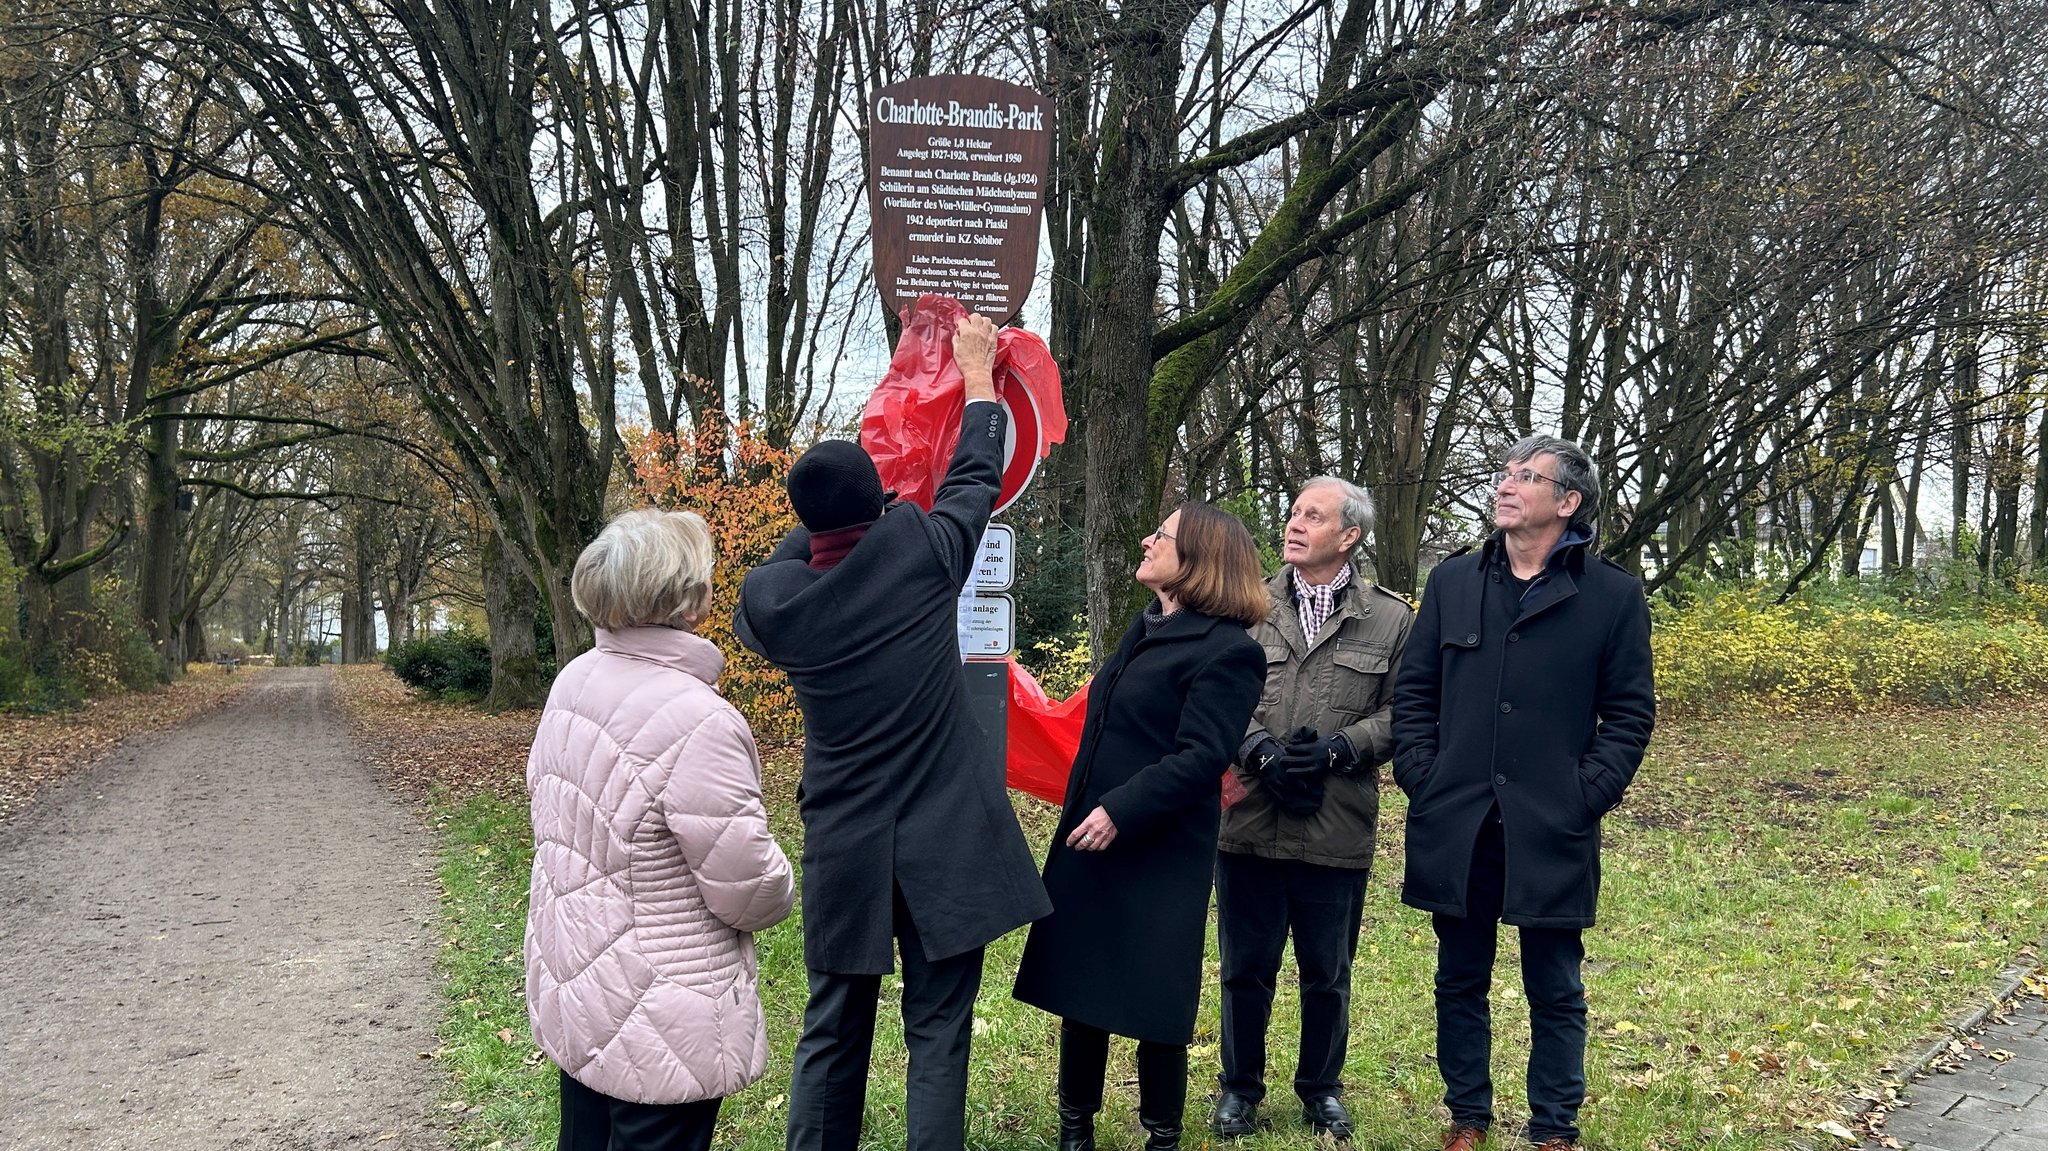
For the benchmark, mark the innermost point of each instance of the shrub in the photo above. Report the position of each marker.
(734, 478)
(453, 664)
(103, 652)
(1831, 647)
(1061, 663)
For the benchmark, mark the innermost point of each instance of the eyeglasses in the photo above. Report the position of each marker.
(1160, 534)
(1523, 477)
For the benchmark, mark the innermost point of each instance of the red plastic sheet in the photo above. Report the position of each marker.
(912, 422)
(910, 427)
(1044, 735)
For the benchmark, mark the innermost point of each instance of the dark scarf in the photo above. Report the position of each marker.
(828, 548)
(1155, 618)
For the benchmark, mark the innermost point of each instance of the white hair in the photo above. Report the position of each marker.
(1356, 509)
(646, 567)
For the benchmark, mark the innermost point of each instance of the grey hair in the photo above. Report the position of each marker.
(1356, 511)
(1575, 470)
(647, 567)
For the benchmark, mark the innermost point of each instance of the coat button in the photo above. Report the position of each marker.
(1501, 780)
(1471, 637)
(1506, 707)
(1514, 636)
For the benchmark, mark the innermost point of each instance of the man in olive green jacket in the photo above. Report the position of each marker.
(1295, 849)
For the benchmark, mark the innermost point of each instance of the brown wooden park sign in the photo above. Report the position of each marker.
(956, 185)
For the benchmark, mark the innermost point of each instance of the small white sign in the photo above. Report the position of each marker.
(995, 562)
(988, 626)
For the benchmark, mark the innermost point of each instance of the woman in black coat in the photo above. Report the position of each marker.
(1132, 862)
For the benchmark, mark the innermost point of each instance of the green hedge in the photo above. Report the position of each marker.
(454, 664)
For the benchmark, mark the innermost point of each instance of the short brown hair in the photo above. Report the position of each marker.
(1219, 566)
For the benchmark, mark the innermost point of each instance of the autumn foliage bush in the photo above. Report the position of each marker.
(1723, 643)
(730, 475)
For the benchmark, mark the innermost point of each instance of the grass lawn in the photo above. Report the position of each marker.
(1791, 904)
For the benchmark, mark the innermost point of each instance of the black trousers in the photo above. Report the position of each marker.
(594, 1121)
(1551, 958)
(829, 1083)
(1259, 902)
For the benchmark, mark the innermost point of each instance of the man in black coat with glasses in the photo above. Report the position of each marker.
(1522, 709)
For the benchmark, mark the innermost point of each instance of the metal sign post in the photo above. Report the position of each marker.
(988, 633)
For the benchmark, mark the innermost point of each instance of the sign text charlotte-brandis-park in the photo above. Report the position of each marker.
(956, 185)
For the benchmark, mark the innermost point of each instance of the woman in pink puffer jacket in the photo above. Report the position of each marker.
(653, 864)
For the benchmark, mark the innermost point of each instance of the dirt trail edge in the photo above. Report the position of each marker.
(220, 936)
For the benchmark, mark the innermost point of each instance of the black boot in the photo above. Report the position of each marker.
(1162, 1094)
(1077, 1128)
(1084, 1058)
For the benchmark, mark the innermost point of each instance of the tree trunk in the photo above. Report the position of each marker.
(397, 623)
(511, 604)
(196, 649)
(52, 611)
(1888, 534)
(1116, 362)
(2037, 518)
(163, 550)
(358, 604)
(1961, 446)
(1909, 535)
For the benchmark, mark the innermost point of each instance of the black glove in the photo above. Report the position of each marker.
(1264, 760)
(1339, 757)
(1332, 751)
(1302, 767)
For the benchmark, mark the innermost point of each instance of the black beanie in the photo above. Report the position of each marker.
(834, 485)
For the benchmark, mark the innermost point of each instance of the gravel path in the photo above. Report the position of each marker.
(221, 937)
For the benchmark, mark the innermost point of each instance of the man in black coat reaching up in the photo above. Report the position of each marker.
(909, 837)
(1521, 712)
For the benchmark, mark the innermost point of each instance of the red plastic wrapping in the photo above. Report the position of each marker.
(910, 428)
(1044, 735)
(912, 422)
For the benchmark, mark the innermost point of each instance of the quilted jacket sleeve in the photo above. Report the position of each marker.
(712, 802)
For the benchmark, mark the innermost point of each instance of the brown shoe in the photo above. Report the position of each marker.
(1557, 1143)
(1463, 1138)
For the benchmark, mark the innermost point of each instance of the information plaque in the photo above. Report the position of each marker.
(995, 562)
(956, 186)
(987, 623)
